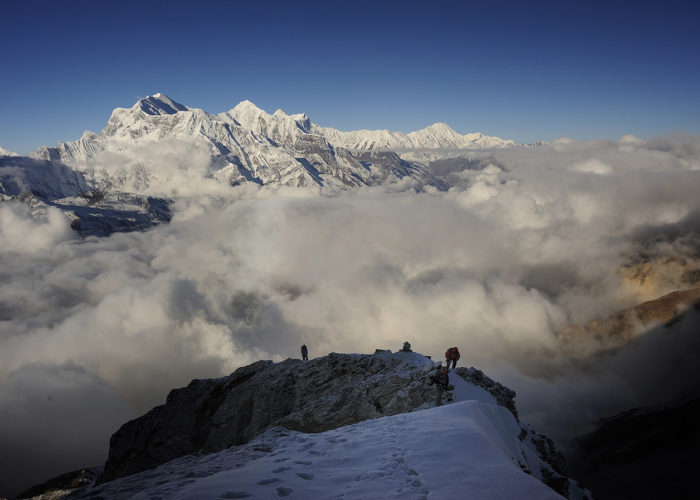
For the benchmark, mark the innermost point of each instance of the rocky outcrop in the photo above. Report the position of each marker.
(626, 324)
(325, 393)
(99, 213)
(59, 486)
(656, 275)
(504, 396)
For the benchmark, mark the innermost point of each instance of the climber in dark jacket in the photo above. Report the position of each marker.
(304, 353)
(441, 381)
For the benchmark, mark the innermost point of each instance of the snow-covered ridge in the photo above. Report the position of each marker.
(436, 136)
(441, 452)
(285, 128)
(6, 152)
(366, 426)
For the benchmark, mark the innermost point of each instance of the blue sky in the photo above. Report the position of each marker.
(520, 70)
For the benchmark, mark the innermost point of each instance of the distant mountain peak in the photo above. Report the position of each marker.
(439, 126)
(159, 104)
(246, 105)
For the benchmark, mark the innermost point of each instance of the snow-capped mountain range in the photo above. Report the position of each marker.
(149, 153)
(249, 144)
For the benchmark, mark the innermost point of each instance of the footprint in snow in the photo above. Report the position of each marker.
(284, 492)
(304, 475)
(281, 469)
(235, 494)
(303, 462)
(269, 481)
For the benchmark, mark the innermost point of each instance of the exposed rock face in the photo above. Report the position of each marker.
(60, 485)
(625, 324)
(325, 393)
(504, 396)
(99, 213)
(660, 275)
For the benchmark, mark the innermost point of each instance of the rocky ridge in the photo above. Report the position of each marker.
(326, 393)
(628, 323)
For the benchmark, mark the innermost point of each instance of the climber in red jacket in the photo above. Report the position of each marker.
(452, 354)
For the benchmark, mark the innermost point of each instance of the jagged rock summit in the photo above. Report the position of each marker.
(160, 104)
(332, 392)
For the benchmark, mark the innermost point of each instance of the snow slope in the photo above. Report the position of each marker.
(436, 136)
(466, 450)
(6, 152)
(47, 179)
(470, 449)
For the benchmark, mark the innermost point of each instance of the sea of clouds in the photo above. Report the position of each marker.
(94, 332)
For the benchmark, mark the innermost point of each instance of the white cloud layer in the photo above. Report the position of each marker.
(496, 265)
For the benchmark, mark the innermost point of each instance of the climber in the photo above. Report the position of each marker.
(304, 353)
(452, 354)
(406, 347)
(441, 381)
